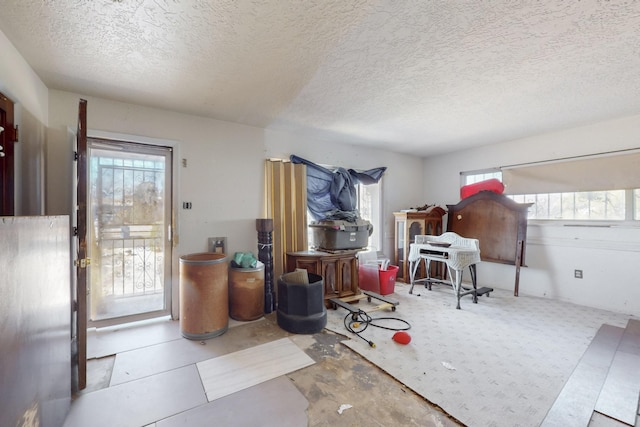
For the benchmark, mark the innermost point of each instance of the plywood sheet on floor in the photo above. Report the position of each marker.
(150, 360)
(116, 339)
(140, 363)
(237, 371)
(574, 405)
(274, 403)
(619, 396)
(139, 403)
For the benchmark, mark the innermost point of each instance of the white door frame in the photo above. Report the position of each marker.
(175, 187)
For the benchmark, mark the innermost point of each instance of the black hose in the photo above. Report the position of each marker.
(362, 320)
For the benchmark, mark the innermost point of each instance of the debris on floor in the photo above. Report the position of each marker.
(343, 407)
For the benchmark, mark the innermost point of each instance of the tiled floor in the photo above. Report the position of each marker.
(162, 381)
(139, 402)
(153, 381)
(225, 375)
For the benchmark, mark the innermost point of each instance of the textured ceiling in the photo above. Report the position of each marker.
(420, 76)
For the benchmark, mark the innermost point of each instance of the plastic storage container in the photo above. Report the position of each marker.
(301, 308)
(388, 280)
(372, 278)
(337, 235)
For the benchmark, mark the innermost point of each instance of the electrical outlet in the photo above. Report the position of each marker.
(217, 244)
(186, 205)
(577, 274)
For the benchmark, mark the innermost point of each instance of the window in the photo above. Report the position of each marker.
(477, 176)
(369, 207)
(592, 205)
(606, 205)
(369, 202)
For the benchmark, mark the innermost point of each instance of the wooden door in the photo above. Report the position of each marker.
(79, 308)
(7, 139)
(347, 266)
(330, 276)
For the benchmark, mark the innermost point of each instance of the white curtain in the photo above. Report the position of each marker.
(615, 171)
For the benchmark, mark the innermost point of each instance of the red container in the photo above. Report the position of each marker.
(368, 278)
(371, 278)
(388, 280)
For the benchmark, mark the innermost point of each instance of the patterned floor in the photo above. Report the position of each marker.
(500, 362)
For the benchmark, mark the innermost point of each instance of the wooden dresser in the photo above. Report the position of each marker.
(338, 270)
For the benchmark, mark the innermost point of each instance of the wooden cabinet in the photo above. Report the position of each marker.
(408, 225)
(339, 271)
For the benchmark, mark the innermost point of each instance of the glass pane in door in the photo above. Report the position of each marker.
(129, 249)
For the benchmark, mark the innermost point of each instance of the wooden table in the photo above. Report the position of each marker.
(339, 271)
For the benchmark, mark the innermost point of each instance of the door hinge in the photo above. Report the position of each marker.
(75, 156)
(75, 231)
(82, 263)
(12, 134)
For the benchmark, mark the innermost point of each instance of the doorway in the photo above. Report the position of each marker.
(129, 211)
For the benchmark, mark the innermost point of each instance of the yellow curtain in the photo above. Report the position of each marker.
(286, 204)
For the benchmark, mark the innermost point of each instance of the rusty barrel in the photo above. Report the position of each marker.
(204, 295)
(246, 292)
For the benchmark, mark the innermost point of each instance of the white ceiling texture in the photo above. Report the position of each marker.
(421, 77)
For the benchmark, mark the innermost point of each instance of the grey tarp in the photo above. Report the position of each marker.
(331, 193)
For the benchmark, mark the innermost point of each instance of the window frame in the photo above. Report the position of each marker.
(375, 240)
(631, 203)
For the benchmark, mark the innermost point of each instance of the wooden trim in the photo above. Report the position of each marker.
(81, 294)
(7, 168)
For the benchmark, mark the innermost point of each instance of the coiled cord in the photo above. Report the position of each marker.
(360, 321)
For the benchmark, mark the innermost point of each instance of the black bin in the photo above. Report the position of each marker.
(301, 307)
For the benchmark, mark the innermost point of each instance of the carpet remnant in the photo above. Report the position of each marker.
(502, 361)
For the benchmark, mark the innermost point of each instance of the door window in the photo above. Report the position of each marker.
(129, 214)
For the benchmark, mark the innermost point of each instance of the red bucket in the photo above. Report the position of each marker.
(388, 280)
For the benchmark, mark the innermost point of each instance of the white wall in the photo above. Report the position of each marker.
(607, 256)
(19, 82)
(224, 177)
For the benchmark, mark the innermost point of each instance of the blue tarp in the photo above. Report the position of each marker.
(331, 194)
